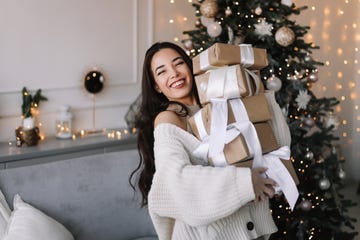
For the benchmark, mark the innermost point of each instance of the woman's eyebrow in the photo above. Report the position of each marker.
(174, 60)
(177, 58)
(161, 66)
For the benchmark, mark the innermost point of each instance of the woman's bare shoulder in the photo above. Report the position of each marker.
(170, 117)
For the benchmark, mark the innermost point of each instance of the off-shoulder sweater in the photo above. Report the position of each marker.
(189, 200)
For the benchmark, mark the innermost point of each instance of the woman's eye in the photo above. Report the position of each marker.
(179, 63)
(160, 72)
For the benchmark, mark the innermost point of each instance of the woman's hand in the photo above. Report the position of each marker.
(262, 186)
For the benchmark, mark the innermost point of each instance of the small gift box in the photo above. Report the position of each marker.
(221, 54)
(228, 82)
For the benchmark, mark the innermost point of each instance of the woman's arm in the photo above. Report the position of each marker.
(197, 195)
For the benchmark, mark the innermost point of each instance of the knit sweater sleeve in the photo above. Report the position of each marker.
(197, 195)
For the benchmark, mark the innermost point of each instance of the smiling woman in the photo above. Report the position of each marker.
(172, 76)
(185, 196)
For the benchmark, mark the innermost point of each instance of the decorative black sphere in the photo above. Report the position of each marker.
(94, 81)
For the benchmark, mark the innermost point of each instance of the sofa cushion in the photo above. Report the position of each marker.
(4, 214)
(28, 223)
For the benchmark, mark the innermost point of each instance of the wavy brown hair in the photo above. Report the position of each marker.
(152, 104)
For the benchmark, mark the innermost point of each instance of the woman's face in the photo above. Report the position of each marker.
(172, 76)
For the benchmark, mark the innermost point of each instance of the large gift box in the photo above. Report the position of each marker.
(221, 54)
(238, 149)
(228, 82)
(287, 163)
(257, 110)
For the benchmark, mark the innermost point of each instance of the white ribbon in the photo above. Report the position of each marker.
(222, 83)
(278, 172)
(213, 146)
(250, 133)
(251, 77)
(219, 116)
(247, 58)
(204, 61)
(233, 130)
(247, 55)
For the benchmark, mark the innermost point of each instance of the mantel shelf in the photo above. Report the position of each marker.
(53, 149)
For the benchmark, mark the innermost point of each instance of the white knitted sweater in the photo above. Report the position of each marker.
(189, 201)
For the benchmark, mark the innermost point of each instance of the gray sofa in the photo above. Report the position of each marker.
(89, 195)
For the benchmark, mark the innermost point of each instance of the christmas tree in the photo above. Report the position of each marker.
(321, 211)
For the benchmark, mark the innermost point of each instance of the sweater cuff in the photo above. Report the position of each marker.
(245, 185)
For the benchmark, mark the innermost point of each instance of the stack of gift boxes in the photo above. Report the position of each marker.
(237, 121)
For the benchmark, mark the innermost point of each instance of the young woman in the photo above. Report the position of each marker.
(186, 199)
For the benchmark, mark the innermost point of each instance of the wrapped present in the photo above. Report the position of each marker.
(257, 110)
(221, 54)
(228, 82)
(238, 150)
(236, 146)
(286, 162)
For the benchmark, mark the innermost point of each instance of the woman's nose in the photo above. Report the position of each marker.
(173, 72)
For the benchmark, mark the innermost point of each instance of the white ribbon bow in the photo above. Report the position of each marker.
(223, 83)
(278, 172)
(213, 146)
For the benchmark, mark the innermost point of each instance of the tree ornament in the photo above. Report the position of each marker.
(228, 11)
(214, 29)
(305, 205)
(309, 121)
(309, 155)
(209, 8)
(197, 23)
(313, 77)
(284, 36)
(287, 2)
(307, 58)
(273, 83)
(342, 174)
(188, 44)
(258, 10)
(324, 183)
(263, 28)
(332, 120)
(206, 21)
(303, 99)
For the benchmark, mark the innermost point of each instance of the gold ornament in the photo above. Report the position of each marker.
(209, 8)
(284, 36)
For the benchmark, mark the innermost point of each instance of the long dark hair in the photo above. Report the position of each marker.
(152, 104)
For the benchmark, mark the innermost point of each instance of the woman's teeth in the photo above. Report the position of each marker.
(177, 83)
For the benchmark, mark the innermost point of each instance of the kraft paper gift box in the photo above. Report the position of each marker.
(258, 113)
(221, 54)
(237, 150)
(228, 82)
(287, 163)
(256, 106)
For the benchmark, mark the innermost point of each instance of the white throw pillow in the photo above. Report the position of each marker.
(28, 223)
(4, 214)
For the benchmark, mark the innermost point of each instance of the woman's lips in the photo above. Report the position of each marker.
(177, 84)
